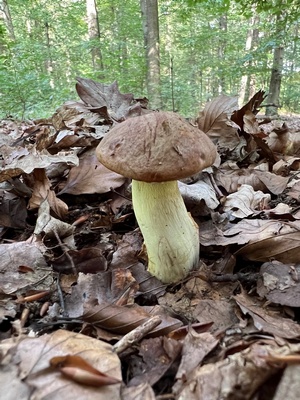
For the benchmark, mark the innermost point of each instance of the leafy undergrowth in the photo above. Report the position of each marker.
(81, 316)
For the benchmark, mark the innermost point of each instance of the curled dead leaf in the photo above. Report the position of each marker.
(80, 371)
(91, 177)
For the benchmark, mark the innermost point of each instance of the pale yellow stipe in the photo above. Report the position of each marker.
(171, 235)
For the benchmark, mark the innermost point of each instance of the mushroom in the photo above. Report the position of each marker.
(156, 150)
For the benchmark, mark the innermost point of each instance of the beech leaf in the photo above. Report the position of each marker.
(79, 370)
(91, 177)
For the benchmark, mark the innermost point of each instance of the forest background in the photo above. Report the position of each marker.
(178, 53)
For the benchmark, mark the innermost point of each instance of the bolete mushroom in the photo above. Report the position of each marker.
(156, 150)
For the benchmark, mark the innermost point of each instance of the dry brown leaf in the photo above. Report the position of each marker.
(282, 245)
(237, 377)
(294, 192)
(140, 392)
(26, 164)
(195, 194)
(122, 319)
(252, 106)
(279, 140)
(79, 370)
(91, 177)
(244, 231)
(220, 312)
(286, 164)
(72, 114)
(155, 358)
(279, 283)
(231, 180)
(42, 190)
(128, 249)
(246, 202)
(13, 256)
(214, 121)
(289, 386)
(250, 123)
(196, 346)
(266, 321)
(32, 355)
(68, 140)
(105, 287)
(53, 227)
(110, 103)
(13, 211)
(87, 260)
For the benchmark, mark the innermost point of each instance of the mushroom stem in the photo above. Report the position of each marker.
(171, 235)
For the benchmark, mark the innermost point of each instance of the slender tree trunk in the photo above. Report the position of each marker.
(275, 82)
(248, 81)
(94, 34)
(48, 61)
(295, 47)
(149, 9)
(221, 54)
(4, 10)
(276, 71)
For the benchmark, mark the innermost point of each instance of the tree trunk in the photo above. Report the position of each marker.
(4, 8)
(248, 82)
(48, 61)
(149, 9)
(94, 34)
(277, 68)
(275, 82)
(221, 54)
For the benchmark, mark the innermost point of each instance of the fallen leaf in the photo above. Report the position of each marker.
(214, 120)
(252, 106)
(281, 245)
(231, 180)
(265, 321)
(289, 386)
(78, 370)
(112, 105)
(155, 358)
(87, 260)
(42, 191)
(26, 164)
(13, 211)
(33, 355)
(239, 376)
(294, 192)
(195, 193)
(122, 319)
(280, 283)
(16, 254)
(143, 391)
(91, 177)
(220, 312)
(195, 348)
(246, 202)
(244, 231)
(52, 226)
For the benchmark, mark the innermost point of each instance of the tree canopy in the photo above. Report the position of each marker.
(45, 45)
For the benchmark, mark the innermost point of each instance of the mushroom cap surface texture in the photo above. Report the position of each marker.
(156, 147)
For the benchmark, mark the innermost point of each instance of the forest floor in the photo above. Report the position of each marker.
(79, 313)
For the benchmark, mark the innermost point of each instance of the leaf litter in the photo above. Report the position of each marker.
(76, 300)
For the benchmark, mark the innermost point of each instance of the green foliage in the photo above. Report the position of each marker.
(202, 46)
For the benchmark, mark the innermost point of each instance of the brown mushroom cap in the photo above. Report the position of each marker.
(156, 147)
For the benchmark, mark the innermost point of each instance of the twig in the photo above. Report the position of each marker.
(136, 334)
(61, 297)
(65, 250)
(119, 194)
(248, 277)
